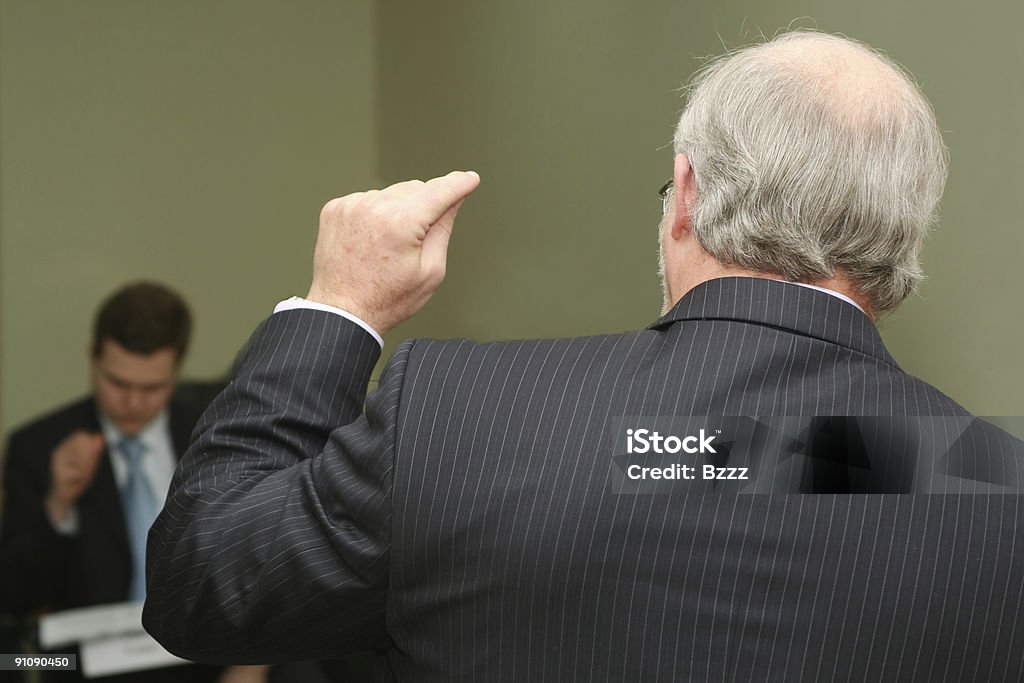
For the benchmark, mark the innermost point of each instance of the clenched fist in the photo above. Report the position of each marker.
(381, 254)
(72, 466)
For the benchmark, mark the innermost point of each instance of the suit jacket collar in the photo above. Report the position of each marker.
(782, 305)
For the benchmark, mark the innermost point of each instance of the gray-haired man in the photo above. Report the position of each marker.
(468, 525)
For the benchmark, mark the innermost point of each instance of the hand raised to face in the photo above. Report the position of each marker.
(72, 468)
(381, 254)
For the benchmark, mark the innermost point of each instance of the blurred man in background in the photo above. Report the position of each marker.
(83, 484)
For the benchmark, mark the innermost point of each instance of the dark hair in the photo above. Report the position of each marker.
(143, 317)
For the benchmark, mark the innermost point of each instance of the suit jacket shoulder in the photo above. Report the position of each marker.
(51, 428)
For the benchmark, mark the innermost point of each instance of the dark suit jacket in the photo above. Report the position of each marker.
(467, 525)
(43, 570)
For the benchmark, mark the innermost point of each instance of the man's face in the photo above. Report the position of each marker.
(132, 388)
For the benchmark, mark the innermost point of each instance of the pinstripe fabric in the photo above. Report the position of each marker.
(464, 525)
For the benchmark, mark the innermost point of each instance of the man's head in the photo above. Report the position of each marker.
(810, 158)
(140, 336)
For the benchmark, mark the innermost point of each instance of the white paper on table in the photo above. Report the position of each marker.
(120, 654)
(89, 623)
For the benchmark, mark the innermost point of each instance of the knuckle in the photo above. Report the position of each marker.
(331, 208)
(405, 186)
(367, 204)
(374, 212)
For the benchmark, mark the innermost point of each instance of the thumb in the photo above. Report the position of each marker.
(437, 196)
(434, 255)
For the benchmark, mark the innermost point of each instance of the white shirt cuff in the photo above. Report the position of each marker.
(69, 527)
(298, 302)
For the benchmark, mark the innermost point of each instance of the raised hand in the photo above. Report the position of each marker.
(381, 254)
(72, 467)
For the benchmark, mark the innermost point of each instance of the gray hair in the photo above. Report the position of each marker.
(808, 167)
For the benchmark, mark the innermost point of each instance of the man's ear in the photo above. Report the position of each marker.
(684, 195)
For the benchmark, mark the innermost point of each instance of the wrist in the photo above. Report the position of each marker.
(57, 509)
(297, 303)
(349, 307)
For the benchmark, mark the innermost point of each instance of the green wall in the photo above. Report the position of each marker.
(194, 142)
(189, 141)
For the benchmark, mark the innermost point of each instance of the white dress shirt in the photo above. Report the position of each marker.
(158, 463)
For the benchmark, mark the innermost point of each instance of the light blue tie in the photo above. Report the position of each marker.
(140, 511)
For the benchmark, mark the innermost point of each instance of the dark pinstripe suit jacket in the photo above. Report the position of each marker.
(465, 525)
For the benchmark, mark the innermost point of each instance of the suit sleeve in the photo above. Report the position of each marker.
(274, 542)
(33, 556)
